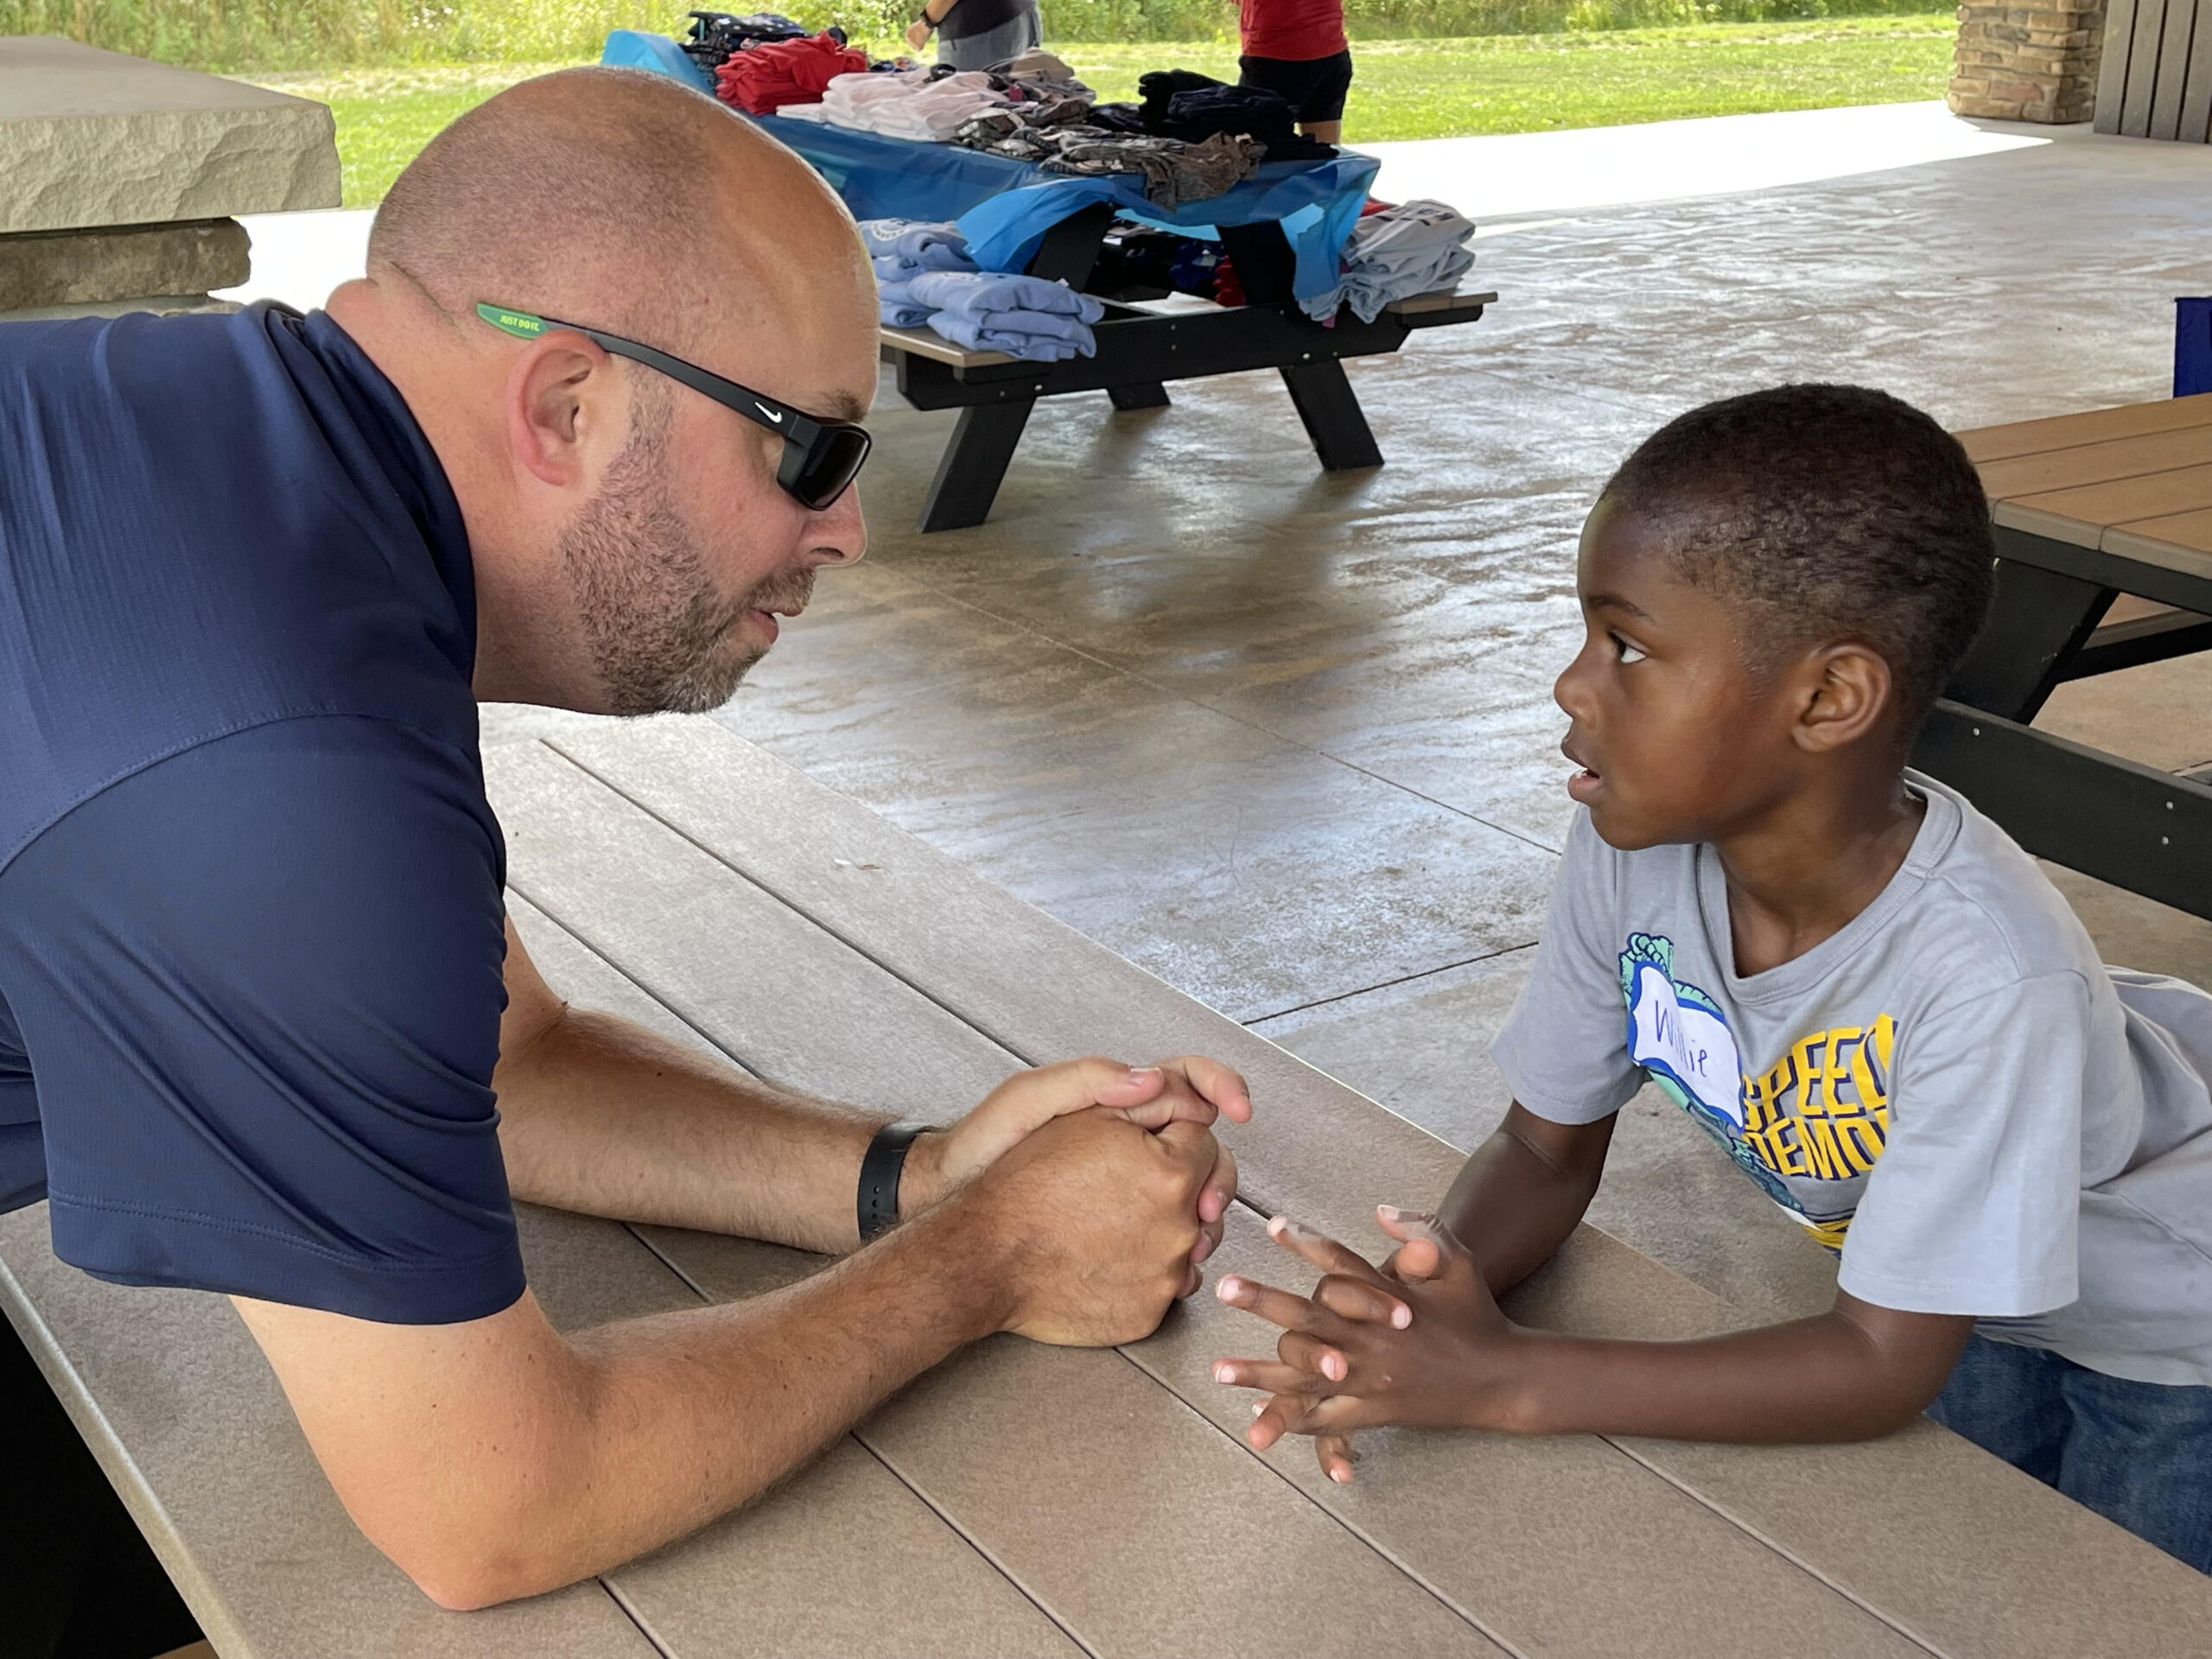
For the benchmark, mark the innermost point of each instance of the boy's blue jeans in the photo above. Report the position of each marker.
(2138, 1453)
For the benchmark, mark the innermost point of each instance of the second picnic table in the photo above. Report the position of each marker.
(2086, 509)
(1282, 230)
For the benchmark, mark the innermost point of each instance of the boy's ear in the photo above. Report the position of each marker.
(1848, 692)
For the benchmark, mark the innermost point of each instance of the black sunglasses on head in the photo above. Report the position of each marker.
(821, 458)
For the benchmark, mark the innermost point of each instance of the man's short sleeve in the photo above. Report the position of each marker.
(259, 986)
(1974, 1204)
(1563, 1048)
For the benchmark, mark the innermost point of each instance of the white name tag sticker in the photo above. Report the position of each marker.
(1691, 1045)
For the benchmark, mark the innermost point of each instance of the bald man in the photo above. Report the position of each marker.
(586, 429)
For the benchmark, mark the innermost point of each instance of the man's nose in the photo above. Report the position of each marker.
(838, 534)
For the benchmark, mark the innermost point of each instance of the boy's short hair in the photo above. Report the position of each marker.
(1830, 512)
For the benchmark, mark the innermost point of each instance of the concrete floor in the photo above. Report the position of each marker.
(1287, 739)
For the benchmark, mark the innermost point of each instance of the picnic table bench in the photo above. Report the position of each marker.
(2103, 525)
(1022, 1499)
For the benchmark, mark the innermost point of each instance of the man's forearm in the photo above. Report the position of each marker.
(600, 1115)
(533, 1475)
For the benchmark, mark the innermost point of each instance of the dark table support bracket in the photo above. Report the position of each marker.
(2041, 619)
(974, 464)
(2134, 826)
(2130, 645)
(1149, 395)
(1334, 420)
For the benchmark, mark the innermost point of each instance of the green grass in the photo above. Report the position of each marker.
(1405, 89)
(264, 35)
(387, 115)
(1527, 83)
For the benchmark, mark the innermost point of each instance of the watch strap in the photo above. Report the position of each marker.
(881, 1167)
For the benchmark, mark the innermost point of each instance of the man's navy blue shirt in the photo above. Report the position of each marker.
(250, 942)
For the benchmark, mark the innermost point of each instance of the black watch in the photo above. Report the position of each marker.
(881, 1167)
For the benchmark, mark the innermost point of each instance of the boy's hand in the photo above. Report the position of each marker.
(1425, 1344)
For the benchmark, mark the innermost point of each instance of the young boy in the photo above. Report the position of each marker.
(1857, 985)
(1298, 48)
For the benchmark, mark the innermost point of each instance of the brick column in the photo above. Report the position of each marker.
(2028, 63)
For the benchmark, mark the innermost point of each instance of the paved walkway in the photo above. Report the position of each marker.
(1287, 739)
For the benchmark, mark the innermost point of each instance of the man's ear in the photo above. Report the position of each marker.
(559, 393)
(1850, 692)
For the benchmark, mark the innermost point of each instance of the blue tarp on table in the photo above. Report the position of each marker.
(1004, 207)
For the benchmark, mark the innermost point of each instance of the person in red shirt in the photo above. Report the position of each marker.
(1298, 48)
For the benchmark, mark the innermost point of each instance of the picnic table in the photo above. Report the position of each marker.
(2103, 525)
(1283, 230)
(1023, 1499)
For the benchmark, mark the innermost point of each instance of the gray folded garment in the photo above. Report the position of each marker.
(1420, 247)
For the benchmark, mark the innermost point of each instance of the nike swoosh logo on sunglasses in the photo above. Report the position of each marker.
(775, 415)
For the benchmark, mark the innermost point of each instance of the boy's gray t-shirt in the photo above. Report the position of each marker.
(1952, 1091)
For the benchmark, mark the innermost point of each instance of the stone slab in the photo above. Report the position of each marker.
(161, 305)
(41, 268)
(90, 137)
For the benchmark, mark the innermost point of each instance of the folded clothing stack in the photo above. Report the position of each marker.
(997, 311)
(1183, 104)
(715, 35)
(1396, 253)
(903, 249)
(766, 76)
(919, 103)
(1037, 81)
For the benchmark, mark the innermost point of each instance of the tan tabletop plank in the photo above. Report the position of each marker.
(1529, 1601)
(1317, 1149)
(2190, 530)
(1970, 1554)
(903, 1581)
(927, 342)
(187, 1420)
(843, 1559)
(1989, 443)
(729, 959)
(1114, 1506)
(684, 925)
(1320, 1150)
(2183, 489)
(2098, 463)
(2055, 526)
(1558, 1551)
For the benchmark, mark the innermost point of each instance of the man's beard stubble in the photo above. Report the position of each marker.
(659, 631)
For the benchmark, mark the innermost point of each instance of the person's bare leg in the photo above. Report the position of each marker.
(1322, 132)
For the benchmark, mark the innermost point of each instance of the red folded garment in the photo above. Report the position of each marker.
(769, 74)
